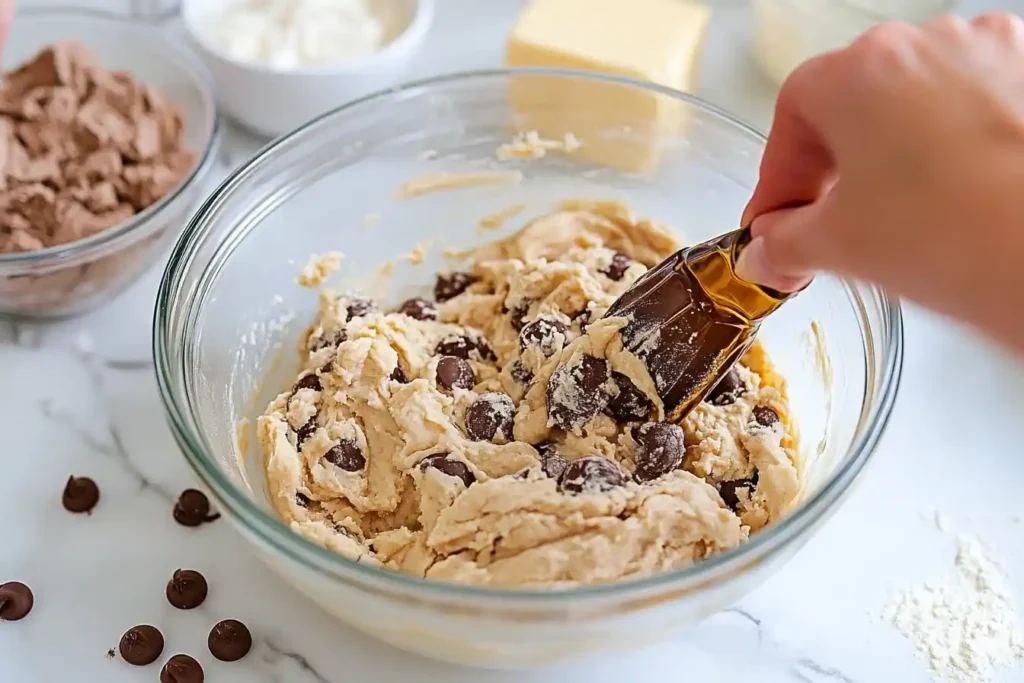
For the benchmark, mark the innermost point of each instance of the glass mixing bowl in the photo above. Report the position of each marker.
(229, 313)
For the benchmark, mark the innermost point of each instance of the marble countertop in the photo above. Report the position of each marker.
(80, 398)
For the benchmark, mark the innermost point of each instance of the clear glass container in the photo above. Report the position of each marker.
(229, 313)
(789, 32)
(74, 277)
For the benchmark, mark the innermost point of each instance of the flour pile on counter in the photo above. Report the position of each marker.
(966, 624)
(499, 434)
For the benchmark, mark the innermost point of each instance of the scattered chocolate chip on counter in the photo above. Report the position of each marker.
(141, 645)
(229, 640)
(16, 601)
(187, 589)
(181, 669)
(193, 508)
(80, 494)
(110, 653)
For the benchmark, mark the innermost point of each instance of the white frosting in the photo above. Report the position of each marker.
(286, 34)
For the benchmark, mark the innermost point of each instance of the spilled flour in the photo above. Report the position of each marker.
(965, 623)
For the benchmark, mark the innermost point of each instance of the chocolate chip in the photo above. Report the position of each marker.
(490, 414)
(110, 653)
(80, 494)
(16, 601)
(630, 404)
(463, 347)
(327, 340)
(193, 508)
(582, 319)
(729, 490)
(662, 446)
(303, 433)
(398, 375)
(765, 416)
(551, 463)
(522, 374)
(450, 285)
(728, 390)
(442, 462)
(307, 381)
(546, 334)
(359, 306)
(592, 474)
(346, 455)
(187, 589)
(577, 391)
(620, 263)
(455, 372)
(141, 645)
(229, 640)
(418, 308)
(181, 669)
(517, 315)
(302, 500)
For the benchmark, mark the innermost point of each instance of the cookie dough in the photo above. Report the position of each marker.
(498, 434)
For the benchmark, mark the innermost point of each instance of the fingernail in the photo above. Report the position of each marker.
(752, 264)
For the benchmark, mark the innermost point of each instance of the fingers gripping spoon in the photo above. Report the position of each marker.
(691, 318)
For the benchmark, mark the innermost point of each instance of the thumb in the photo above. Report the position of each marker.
(785, 250)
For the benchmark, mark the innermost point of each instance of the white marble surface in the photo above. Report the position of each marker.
(79, 397)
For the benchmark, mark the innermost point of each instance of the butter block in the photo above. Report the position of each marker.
(652, 40)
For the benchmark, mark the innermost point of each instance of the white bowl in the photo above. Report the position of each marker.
(273, 101)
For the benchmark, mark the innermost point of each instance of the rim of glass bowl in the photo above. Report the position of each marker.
(196, 71)
(272, 532)
(910, 13)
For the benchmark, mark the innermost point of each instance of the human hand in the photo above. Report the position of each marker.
(900, 160)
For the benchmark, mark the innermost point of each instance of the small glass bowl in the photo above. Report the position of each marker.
(789, 32)
(229, 312)
(71, 278)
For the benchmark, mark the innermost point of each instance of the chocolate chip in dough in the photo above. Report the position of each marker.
(303, 433)
(729, 490)
(193, 508)
(398, 375)
(630, 404)
(618, 266)
(545, 333)
(141, 645)
(728, 390)
(181, 669)
(80, 494)
(517, 315)
(302, 500)
(16, 601)
(358, 306)
(419, 308)
(229, 640)
(308, 381)
(489, 415)
(661, 447)
(187, 589)
(592, 474)
(346, 455)
(522, 374)
(583, 319)
(450, 285)
(455, 372)
(551, 463)
(463, 347)
(765, 416)
(577, 391)
(442, 462)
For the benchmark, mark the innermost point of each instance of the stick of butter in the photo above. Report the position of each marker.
(619, 126)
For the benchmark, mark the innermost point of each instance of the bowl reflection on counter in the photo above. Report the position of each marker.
(228, 314)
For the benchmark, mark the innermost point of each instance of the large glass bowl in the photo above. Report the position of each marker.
(74, 277)
(229, 313)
